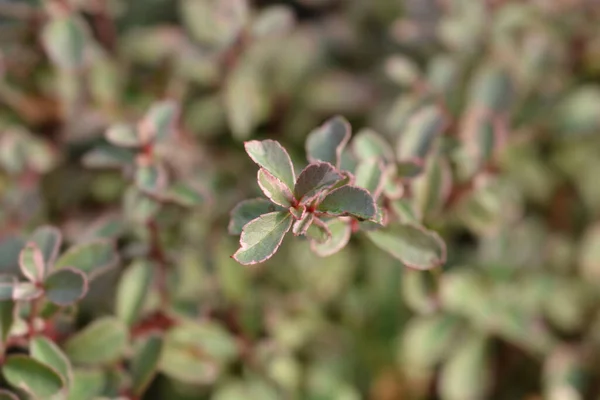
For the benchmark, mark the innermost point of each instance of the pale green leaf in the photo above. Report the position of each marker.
(327, 142)
(415, 246)
(262, 236)
(271, 156)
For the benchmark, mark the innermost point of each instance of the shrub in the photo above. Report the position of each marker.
(435, 163)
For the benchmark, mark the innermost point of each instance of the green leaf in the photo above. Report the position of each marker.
(215, 23)
(262, 236)
(273, 21)
(315, 178)
(102, 342)
(327, 142)
(340, 231)
(10, 249)
(47, 352)
(271, 156)
(186, 194)
(427, 341)
(274, 189)
(108, 157)
(423, 128)
(432, 188)
(64, 39)
(159, 121)
(247, 210)
(123, 135)
(30, 375)
(31, 261)
(88, 384)
(368, 144)
(132, 291)
(246, 100)
(48, 240)
(6, 395)
(144, 364)
(196, 352)
(302, 225)
(402, 70)
(349, 200)
(7, 286)
(151, 178)
(415, 246)
(492, 89)
(466, 376)
(65, 286)
(92, 258)
(370, 176)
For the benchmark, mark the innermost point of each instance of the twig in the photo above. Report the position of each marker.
(158, 255)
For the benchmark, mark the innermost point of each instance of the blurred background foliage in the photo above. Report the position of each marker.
(514, 314)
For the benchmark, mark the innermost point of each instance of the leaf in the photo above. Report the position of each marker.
(402, 70)
(298, 212)
(132, 291)
(196, 352)
(92, 258)
(271, 156)
(415, 246)
(466, 375)
(32, 376)
(47, 352)
(318, 231)
(262, 236)
(327, 142)
(247, 210)
(432, 188)
(215, 23)
(6, 395)
(88, 384)
(186, 195)
(123, 135)
(144, 364)
(349, 200)
(65, 286)
(7, 285)
(340, 231)
(26, 291)
(64, 39)
(493, 88)
(108, 157)
(151, 178)
(102, 342)
(429, 340)
(48, 240)
(315, 178)
(159, 121)
(423, 127)
(10, 249)
(31, 261)
(301, 226)
(274, 189)
(273, 21)
(245, 101)
(370, 176)
(368, 144)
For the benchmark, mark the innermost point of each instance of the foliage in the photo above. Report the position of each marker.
(435, 162)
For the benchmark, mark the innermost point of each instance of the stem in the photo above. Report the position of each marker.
(33, 313)
(158, 255)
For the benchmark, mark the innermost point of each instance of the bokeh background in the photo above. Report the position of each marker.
(514, 313)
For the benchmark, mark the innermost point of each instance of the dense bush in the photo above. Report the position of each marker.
(413, 186)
